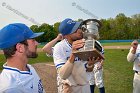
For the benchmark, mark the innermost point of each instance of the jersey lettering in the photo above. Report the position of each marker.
(76, 59)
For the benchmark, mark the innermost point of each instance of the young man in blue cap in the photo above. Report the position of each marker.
(18, 44)
(72, 73)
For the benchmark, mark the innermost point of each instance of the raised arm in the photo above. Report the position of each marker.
(131, 55)
(48, 47)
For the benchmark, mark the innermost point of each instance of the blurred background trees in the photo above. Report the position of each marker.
(119, 28)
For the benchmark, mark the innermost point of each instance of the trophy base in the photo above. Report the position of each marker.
(85, 54)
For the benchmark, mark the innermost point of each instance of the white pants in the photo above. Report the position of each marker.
(96, 77)
(74, 89)
(136, 83)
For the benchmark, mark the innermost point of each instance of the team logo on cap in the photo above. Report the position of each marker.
(71, 22)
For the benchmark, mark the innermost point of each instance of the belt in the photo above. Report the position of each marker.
(137, 72)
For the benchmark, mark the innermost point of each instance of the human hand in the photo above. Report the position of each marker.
(59, 37)
(90, 63)
(134, 44)
(93, 60)
(67, 88)
(78, 44)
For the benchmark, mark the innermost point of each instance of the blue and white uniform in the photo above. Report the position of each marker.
(76, 74)
(12, 80)
(135, 58)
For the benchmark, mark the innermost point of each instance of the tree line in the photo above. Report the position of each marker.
(119, 28)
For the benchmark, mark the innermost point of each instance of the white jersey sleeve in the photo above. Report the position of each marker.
(59, 55)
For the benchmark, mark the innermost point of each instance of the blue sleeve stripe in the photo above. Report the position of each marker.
(85, 65)
(59, 65)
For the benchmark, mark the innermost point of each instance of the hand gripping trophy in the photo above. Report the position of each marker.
(90, 33)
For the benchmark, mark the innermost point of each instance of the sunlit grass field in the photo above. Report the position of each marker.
(118, 73)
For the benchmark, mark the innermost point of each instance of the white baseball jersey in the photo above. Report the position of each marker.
(97, 74)
(78, 79)
(12, 80)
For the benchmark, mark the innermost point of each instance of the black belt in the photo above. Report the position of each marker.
(136, 72)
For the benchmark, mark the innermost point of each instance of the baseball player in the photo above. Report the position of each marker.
(97, 75)
(134, 56)
(72, 76)
(18, 44)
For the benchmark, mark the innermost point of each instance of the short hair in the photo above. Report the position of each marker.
(8, 52)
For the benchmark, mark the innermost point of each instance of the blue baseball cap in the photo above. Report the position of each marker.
(14, 33)
(68, 26)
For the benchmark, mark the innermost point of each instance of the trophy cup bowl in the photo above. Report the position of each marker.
(92, 47)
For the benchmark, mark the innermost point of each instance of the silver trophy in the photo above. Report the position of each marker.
(90, 33)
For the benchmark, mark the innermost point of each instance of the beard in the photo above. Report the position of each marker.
(32, 54)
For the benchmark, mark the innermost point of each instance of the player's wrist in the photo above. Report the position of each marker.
(71, 59)
(88, 66)
(133, 51)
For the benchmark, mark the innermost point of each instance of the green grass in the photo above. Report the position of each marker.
(116, 43)
(41, 58)
(118, 74)
(41, 46)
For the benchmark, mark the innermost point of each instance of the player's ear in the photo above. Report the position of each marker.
(20, 47)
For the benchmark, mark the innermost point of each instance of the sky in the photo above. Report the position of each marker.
(36, 12)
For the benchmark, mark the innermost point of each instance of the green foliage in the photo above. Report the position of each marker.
(120, 27)
(56, 28)
(2, 60)
(49, 32)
